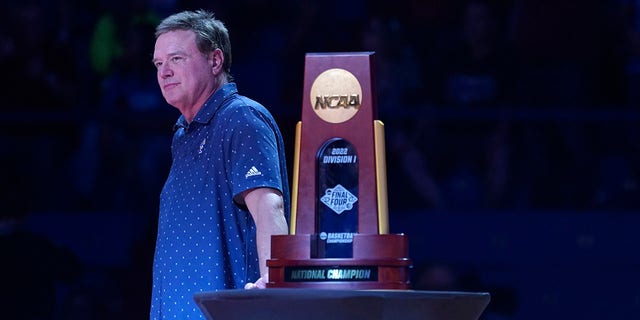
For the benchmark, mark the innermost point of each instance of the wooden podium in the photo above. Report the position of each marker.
(310, 304)
(339, 217)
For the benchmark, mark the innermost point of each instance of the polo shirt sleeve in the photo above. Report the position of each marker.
(253, 155)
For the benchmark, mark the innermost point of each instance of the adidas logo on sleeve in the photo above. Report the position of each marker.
(253, 172)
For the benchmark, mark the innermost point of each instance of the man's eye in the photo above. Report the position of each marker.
(176, 59)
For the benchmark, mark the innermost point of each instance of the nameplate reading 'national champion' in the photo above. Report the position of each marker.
(320, 274)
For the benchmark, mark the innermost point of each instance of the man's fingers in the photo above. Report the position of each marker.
(259, 284)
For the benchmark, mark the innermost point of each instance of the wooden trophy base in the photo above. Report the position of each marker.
(379, 262)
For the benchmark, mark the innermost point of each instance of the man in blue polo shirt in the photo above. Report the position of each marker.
(227, 191)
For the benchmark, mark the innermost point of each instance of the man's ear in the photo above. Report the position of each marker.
(216, 59)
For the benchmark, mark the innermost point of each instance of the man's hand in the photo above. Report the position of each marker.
(259, 284)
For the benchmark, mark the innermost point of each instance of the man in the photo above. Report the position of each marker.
(227, 191)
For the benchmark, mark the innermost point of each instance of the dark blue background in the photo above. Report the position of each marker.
(511, 134)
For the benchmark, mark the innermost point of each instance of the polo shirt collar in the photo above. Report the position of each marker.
(214, 103)
(210, 107)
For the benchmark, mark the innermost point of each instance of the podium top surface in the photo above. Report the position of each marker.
(311, 304)
(346, 53)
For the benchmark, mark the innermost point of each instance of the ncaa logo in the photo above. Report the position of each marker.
(336, 95)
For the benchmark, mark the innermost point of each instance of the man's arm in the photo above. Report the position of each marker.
(267, 209)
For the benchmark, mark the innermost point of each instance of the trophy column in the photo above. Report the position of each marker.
(339, 217)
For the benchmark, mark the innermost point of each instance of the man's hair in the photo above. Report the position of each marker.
(210, 32)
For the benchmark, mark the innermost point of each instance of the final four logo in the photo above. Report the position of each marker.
(338, 199)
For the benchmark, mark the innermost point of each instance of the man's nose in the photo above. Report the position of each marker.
(165, 71)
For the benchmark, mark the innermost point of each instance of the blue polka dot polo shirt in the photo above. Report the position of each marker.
(206, 241)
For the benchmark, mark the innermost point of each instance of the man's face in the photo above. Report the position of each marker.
(184, 74)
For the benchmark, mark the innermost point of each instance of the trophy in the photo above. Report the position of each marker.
(339, 235)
